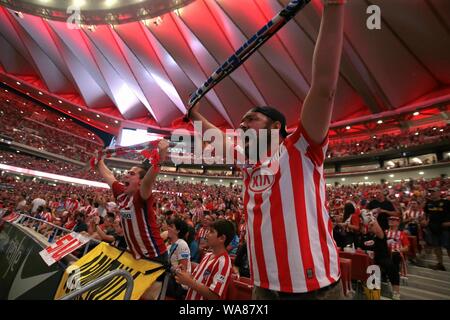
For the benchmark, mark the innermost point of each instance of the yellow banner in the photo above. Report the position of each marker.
(98, 262)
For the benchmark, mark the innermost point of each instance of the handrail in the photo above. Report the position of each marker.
(25, 216)
(97, 282)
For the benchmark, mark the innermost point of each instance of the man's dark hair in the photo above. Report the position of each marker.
(224, 227)
(274, 115)
(181, 226)
(111, 217)
(190, 235)
(144, 166)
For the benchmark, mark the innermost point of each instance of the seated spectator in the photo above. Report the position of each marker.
(80, 225)
(193, 245)
(179, 256)
(211, 277)
(105, 232)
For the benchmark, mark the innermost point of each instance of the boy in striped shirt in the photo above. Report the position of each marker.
(211, 277)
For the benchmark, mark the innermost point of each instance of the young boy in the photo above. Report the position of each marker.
(211, 277)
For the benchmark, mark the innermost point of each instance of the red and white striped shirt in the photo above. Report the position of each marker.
(139, 224)
(202, 233)
(396, 240)
(415, 215)
(71, 205)
(289, 231)
(213, 272)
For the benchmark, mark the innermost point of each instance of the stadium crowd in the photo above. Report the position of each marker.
(385, 142)
(191, 208)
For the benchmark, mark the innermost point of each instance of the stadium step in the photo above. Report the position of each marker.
(421, 284)
(410, 293)
(429, 273)
(432, 262)
(429, 285)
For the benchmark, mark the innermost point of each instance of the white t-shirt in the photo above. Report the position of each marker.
(179, 251)
(37, 203)
(21, 204)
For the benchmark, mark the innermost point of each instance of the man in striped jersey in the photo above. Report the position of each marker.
(134, 197)
(292, 252)
(211, 277)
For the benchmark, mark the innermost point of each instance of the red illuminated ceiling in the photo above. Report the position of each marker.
(143, 72)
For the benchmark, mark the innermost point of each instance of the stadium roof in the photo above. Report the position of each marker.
(142, 72)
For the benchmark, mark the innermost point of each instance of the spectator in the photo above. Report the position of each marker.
(382, 208)
(374, 240)
(179, 256)
(241, 265)
(134, 195)
(38, 202)
(211, 277)
(80, 225)
(437, 212)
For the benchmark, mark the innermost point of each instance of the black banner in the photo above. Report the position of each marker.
(23, 273)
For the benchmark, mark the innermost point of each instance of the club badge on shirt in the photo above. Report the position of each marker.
(126, 214)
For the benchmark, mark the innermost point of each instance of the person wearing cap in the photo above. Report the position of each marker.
(291, 248)
(383, 208)
(437, 232)
(398, 245)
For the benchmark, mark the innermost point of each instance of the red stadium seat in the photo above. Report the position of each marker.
(238, 290)
(346, 274)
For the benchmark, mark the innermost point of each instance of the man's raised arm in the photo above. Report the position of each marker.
(318, 105)
(106, 173)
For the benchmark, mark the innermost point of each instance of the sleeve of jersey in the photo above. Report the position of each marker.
(355, 219)
(117, 188)
(315, 151)
(405, 240)
(221, 277)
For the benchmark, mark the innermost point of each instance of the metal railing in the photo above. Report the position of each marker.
(57, 230)
(98, 282)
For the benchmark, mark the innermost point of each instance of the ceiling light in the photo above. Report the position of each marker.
(59, 101)
(421, 173)
(347, 127)
(416, 113)
(110, 3)
(343, 179)
(18, 83)
(380, 121)
(106, 127)
(115, 121)
(40, 93)
(391, 176)
(366, 178)
(98, 116)
(79, 109)
(78, 3)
